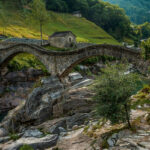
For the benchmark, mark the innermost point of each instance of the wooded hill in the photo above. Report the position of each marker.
(138, 10)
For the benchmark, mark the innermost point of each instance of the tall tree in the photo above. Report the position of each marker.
(39, 14)
(4, 19)
(146, 49)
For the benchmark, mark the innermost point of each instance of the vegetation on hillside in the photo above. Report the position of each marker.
(39, 14)
(23, 24)
(146, 49)
(20, 26)
(138, 10)
(110, 17)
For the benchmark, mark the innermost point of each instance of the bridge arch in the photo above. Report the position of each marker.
(7, 53)
(118, 52)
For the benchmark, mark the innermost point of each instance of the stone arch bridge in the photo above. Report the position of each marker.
(61, 63)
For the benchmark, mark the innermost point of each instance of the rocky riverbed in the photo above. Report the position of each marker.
(58, 116)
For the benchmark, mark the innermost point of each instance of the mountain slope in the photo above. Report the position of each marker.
(18, 26)
(138, 10)
(85, 30)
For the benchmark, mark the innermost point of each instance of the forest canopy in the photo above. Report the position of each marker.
(138, 10)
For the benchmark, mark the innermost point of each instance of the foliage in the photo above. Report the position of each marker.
(39, 13)
(85, 30)
(138, 10)
(113, 91)
(14, 137)
(142, 97)
(24, 61)
(146, 49)
(26, 147)
(110, 17)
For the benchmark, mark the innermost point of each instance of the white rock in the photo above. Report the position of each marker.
(33, 133)
(75, 127)
(112, 140)
(61, 129)
(124, 133)
(3, 132)
(75, 76)
(37, 143)
(85, 82)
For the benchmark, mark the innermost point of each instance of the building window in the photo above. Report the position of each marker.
(70, 39)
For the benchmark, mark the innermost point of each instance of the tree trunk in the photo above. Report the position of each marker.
(41, 34)
(127, 116)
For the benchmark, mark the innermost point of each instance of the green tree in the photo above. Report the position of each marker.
(146, 49)
(4, 19)
(39, 14)
(113, 91)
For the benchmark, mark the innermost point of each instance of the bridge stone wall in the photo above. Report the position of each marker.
(61, 63)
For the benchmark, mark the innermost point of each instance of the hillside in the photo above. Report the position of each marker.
(85, 30)
(138, 10)
(19, 26)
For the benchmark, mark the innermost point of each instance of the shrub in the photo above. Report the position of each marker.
(113, 91)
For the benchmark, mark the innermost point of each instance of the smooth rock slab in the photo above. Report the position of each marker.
(33, 133)
(3, 132)
(75, 76)
(37, 143)
(4, 139)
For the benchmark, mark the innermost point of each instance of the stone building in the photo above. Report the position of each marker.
(64, 39)
(77, 14)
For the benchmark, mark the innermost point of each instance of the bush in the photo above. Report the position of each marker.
(113, 91)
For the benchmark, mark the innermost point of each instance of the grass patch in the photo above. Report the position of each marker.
(26, 147)
(14, 137)
(142, 97)
(86, 31)
(24, 61)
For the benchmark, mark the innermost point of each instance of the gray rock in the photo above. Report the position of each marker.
(3, 132)
(33, 133)
(124, 133)
(61, 129)
(37, 143)
(83, 83)
(1, 90)
(54, 126)
(4, 139)
(112, 140)
(145, 144)
(17, 76)
(39, 105)
(77, 119)
(75, 76)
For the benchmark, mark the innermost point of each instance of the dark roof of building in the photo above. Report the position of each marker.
(76, 12)
(61, 34)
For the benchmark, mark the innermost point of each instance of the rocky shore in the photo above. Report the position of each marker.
(61, 116)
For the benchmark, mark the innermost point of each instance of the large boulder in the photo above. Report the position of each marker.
(77, 119)
(53, 126)
(37, 143)
(33, 133)
(38, 106)
(3, 132)
(17, 76)
(75, 76)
